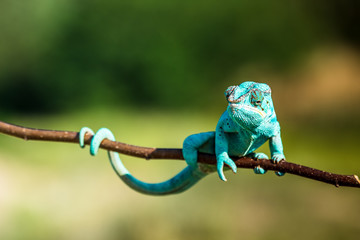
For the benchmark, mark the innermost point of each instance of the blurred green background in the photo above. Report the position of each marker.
(154, 72)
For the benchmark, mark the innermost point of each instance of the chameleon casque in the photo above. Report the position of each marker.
(248, 122)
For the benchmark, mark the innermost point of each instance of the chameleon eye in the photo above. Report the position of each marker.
(256, 102)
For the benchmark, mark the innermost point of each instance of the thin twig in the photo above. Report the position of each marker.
(176, 153)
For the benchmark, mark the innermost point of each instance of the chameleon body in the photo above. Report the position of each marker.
(248, 122)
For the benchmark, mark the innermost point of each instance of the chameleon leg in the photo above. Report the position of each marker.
(193, 143)
(179, 183)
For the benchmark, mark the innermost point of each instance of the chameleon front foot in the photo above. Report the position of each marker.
(276, 158)
(221, 161)
(259, 170)
(256, 156)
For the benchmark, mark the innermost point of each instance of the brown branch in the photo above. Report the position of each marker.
(167, 153)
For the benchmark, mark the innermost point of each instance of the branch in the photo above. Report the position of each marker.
(176, 153)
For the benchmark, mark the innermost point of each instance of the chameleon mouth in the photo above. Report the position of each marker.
(249, 108)
(253, 109)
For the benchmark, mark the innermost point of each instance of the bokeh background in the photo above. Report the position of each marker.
(154, 72)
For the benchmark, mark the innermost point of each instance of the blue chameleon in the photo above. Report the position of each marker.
(248, 122)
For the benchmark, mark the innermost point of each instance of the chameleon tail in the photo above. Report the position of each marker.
(179, 183)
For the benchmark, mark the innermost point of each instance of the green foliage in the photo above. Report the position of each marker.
(57, 55)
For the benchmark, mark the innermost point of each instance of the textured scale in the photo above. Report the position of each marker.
(248, 122)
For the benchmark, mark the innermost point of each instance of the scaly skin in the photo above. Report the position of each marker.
(179, 183)
(248, 122)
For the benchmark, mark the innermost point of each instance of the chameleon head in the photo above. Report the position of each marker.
(250, 104)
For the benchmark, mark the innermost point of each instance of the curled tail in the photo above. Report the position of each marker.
(179, 183)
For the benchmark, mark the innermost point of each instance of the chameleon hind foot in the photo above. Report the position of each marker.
(203, 142)
(191, 146)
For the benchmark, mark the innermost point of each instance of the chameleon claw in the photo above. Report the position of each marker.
(276, 159)
(256, 156)
(259, 170)
(82, 134)
(232, 165)
(220, 167)
(357, 178)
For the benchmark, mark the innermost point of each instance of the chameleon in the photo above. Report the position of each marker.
(247, 123)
